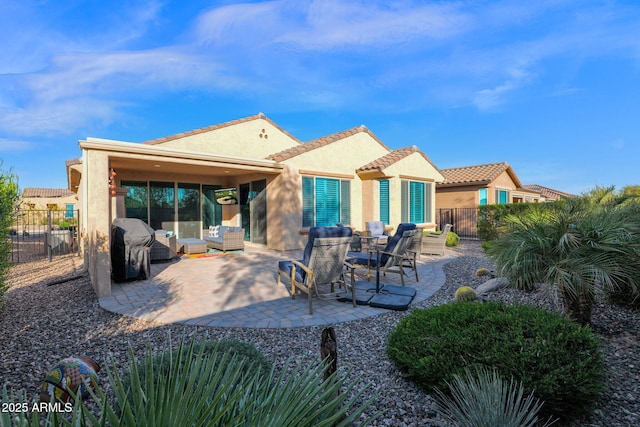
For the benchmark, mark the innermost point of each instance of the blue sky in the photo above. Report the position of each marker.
(551, 87)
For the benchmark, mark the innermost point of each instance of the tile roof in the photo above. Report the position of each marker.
(219, 126)
(47, 192)
(477, 174)
(394, 156)
(548, 193)
(321, 142)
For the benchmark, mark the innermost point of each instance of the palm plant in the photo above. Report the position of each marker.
(581, 248)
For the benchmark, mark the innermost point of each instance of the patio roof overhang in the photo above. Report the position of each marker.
(154, 158)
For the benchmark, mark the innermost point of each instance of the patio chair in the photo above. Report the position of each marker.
(412, 253)
(376, 229)
(322, 266)
(391, 257)
(434, 244)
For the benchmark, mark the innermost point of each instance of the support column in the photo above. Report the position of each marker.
(98, 221)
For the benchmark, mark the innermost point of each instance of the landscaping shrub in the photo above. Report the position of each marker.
(484, 398)
(209, 389)
(452, 239)
(558, 359)
(9, 195)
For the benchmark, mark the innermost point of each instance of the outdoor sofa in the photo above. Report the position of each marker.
(224, 238)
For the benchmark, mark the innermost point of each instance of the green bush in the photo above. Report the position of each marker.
(9, 195)
(558, 359)
(452, 239)
(484, 398)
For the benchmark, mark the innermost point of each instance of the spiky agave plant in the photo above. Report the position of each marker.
(482, 398)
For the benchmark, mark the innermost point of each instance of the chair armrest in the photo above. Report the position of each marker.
(302, 266)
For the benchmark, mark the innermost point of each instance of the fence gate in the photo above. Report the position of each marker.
(42, 234)
(464, 221)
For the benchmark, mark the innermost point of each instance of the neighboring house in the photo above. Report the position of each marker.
(48, 199)
(549, 194)
(274, 186)
(473, 186)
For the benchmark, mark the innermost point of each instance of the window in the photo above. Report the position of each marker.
(69, 209)
(325, 201)
(136, 202)
(484, 197)
(384, 201)
(416, 201)
(162, 205)
(502, 197)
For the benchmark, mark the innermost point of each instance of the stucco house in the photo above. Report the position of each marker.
(48, 198)
(473, 186)
(278, 185)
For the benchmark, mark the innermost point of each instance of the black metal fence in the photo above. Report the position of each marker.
(42, 234)
(464, 221)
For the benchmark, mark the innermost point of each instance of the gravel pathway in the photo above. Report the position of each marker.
(42, 324)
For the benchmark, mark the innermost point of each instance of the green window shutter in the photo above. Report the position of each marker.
(427, 202)
(384, 201)
(501, 197)
(345, 202)
(416, 203)
(327, 202)
(404, 201)
(484, 195)
(307, 202)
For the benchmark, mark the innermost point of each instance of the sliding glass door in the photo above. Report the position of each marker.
(189, 210)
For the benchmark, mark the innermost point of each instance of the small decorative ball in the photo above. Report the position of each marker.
(465, 293)
(73, 374)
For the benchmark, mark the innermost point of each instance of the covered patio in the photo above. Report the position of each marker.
(239, 289)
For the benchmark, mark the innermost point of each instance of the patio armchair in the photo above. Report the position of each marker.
(376, 229)
(322, 266)
(434, 244)
(164, 246)
(412, 253)
(391, 257)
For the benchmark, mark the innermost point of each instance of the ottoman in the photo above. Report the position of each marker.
(192, 245)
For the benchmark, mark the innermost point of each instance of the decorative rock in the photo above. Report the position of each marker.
(71, 375)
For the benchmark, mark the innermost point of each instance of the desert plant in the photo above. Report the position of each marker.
(9, 194)
(452, 239)
(465, 293)
(531, 345)
(484, 399)
(482, 272)
(581, 249)
(243, 350)
(218, 389)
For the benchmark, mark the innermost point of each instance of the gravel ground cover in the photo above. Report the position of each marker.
(43, 323)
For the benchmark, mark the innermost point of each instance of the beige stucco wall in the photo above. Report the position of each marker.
(43, 202)
(341, 159)
(458, 197)
(97, 221)
(245, 139)
(414, 168)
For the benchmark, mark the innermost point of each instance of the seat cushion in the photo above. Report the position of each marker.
(287, 266)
